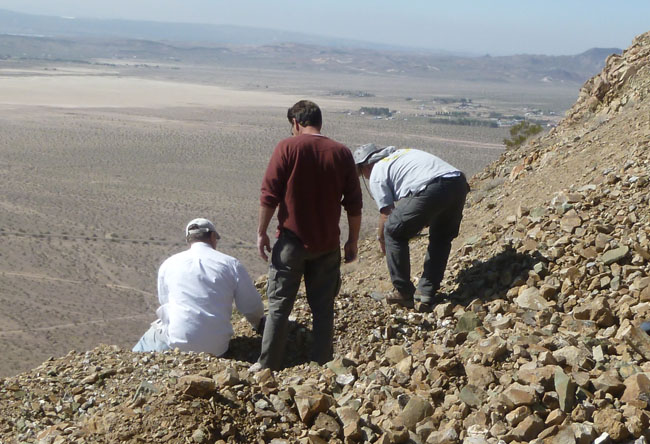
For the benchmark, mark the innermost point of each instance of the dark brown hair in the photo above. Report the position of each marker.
(306, 113)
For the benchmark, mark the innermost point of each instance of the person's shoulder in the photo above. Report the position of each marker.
(225, 258)
(174, 258)
(415, 152)
(288, 143)
(284, 142)
(338, 147)
(334, 143)
(231, 263)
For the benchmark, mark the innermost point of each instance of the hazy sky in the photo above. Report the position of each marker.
(477, 26)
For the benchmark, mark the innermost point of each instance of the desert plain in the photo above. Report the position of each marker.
(102, 165)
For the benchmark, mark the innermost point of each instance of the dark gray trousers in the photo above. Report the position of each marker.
(440, 206)
(289, 263)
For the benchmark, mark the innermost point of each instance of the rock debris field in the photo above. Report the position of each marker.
(538, 339)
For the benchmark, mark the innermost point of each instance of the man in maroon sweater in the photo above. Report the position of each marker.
(309, 178)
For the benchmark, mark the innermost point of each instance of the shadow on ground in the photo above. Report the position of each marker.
(491, 279)
(299, 340)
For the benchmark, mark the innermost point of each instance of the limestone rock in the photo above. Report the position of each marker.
(615, 255)
(310, 402)
(351, 422)
(528, 429)
(611, 422)
(564, 435)
(519, 394)
(326, 426)
(468, 322)
(637, 339)
(531, 299)
(566, 389)
(197, 386)
(446, 436)
(609, 382)
(479, 375)
(395, 354)
(228, 377)
(472, 395)
(415, 411)
(637, 387)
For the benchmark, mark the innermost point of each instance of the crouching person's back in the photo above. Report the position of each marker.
(196, 291)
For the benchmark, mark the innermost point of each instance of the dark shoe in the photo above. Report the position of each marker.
(395, 297)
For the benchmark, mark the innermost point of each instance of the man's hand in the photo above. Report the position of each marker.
(350, 249)
(382, 245)
(263, 245)
(384, 213)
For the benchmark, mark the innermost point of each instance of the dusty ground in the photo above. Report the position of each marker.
(101, 169)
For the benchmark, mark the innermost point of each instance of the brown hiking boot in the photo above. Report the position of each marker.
(395, 297)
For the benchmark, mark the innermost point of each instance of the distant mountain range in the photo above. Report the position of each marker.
(25, 36)
(50, 26)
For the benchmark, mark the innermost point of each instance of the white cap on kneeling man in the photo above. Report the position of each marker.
(200, 225)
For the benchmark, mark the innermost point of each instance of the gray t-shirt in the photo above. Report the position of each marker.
(405, 172)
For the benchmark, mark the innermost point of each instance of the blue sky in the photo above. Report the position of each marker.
(495, 27)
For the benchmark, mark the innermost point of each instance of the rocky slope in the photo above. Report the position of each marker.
(539, 340)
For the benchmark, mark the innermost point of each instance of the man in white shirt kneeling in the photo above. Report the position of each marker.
(196, 290)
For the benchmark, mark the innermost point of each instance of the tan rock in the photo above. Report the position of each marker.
(415, 411)
(326, 426)
(493, 348)
(479, 375)
(519, 394)
(528, 429)
(531, 299)
(310, 402)
(197, 386)
(570, 221)
(443, 310)
(637, 387)
(609, 382)
(228, 377)
(530, 374)
(584, 433)
(564, 435)
(446, 436)
(404, 366)
(517, 415)
(555, 417)
(573, 356)
(395, 354)
(611, 422)
(351, 422)
(637, 339)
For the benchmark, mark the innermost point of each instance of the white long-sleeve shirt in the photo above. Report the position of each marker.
(196, 290)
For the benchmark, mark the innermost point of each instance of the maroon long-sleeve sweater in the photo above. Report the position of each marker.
(309, 177)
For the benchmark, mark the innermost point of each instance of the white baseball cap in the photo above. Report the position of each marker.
(200, 225)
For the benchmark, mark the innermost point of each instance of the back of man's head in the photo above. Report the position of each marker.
(306, 113)
(200, 230)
